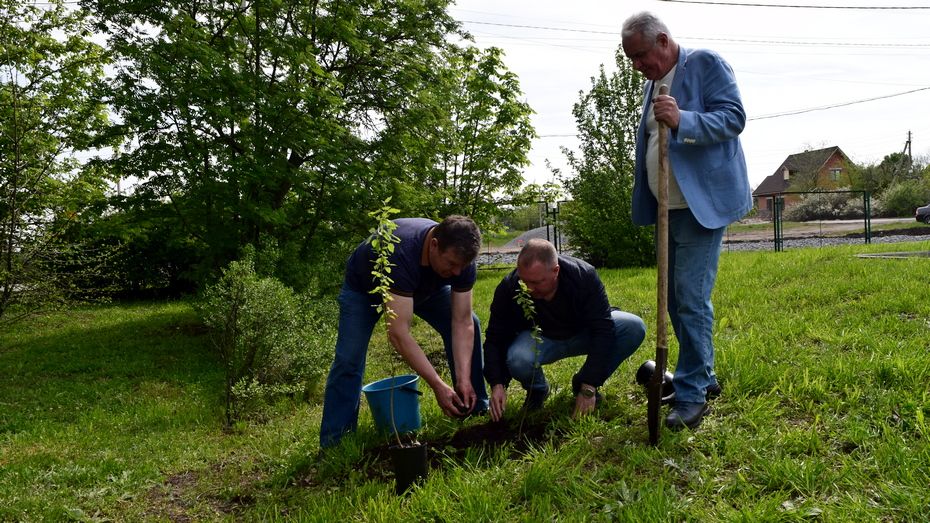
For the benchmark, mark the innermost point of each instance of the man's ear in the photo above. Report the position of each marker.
(662, 39)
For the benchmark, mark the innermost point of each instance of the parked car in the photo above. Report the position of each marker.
(922, 214)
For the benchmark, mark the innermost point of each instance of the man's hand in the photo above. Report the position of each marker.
(467, 396)
(583, 406)
(498, 402)
(666, 110)
(449, 401)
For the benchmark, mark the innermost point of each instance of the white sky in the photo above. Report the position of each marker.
(785, 59)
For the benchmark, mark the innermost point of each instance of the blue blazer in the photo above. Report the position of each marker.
(704, 152)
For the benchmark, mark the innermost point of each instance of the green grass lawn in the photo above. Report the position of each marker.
(114, 413)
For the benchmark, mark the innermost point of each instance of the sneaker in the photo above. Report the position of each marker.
(535, 399)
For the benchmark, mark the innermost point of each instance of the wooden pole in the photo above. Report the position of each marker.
(654, 387)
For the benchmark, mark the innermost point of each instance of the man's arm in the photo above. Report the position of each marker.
(400, 337)
(463, 344)
(594, 310)
(503, 325)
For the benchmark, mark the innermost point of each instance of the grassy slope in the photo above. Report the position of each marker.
(114, 412)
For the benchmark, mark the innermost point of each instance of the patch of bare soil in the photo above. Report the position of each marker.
(453, 450)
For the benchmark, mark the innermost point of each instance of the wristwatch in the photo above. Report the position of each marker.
(588, 391)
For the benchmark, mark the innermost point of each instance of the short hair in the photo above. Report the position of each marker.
(461, 234)
(538, 250)
(646, 24)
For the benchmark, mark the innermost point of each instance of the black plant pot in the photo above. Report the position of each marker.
(409, 465)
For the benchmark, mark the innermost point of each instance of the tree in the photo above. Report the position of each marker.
(465, 139)
(50, 75)
(599, 220)
(261, 122)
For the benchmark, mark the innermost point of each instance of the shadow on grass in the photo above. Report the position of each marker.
(102, 358)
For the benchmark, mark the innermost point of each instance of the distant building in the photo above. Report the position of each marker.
(824, 169)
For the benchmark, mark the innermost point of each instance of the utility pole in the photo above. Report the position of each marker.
(905, 153)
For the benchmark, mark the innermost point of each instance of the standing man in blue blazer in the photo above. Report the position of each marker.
(708, 189)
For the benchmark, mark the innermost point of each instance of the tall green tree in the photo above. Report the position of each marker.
(483, 150)
(462, 146)
(50, 110)
(599, 219)
(261, 122)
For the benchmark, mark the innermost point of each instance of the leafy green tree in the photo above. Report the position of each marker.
(462, 147)
(599, 221)
(259, 121)
(50, 110)
(894, 168)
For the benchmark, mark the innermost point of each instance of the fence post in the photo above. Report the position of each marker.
(867, 206)
(778, 203)
(552, 220)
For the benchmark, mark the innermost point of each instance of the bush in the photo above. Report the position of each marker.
(901, 198)
(825, 206)
(271, 341)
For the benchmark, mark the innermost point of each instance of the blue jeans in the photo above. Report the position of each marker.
(522, 356)
(693, 253)
(357, 320)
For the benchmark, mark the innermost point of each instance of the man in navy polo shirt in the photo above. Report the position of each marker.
(433, 272)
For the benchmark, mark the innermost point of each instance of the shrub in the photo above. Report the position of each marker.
(825, 206)
(901, 198)
(271, 341)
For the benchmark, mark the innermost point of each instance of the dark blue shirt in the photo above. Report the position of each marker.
(410, 278)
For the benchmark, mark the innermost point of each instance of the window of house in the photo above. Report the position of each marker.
(835, 174)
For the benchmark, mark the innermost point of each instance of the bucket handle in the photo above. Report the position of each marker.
(412, 389)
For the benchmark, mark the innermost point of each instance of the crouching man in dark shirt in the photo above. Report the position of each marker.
(575, 318)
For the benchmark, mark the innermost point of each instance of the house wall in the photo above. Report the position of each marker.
(825, 180)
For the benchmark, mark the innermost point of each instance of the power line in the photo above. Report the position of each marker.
(739, 4)
(713, 39)
(834, 106)
(545, 28)
(788, 113)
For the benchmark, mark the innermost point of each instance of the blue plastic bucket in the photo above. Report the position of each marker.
(406, 403)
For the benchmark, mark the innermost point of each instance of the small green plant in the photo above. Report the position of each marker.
(271, 341)
(383, 241)
(525, 301)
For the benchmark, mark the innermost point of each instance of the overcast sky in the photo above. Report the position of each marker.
(785, 59)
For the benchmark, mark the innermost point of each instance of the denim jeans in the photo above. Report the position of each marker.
(693, 253)
(522, 356)
(357, 320)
